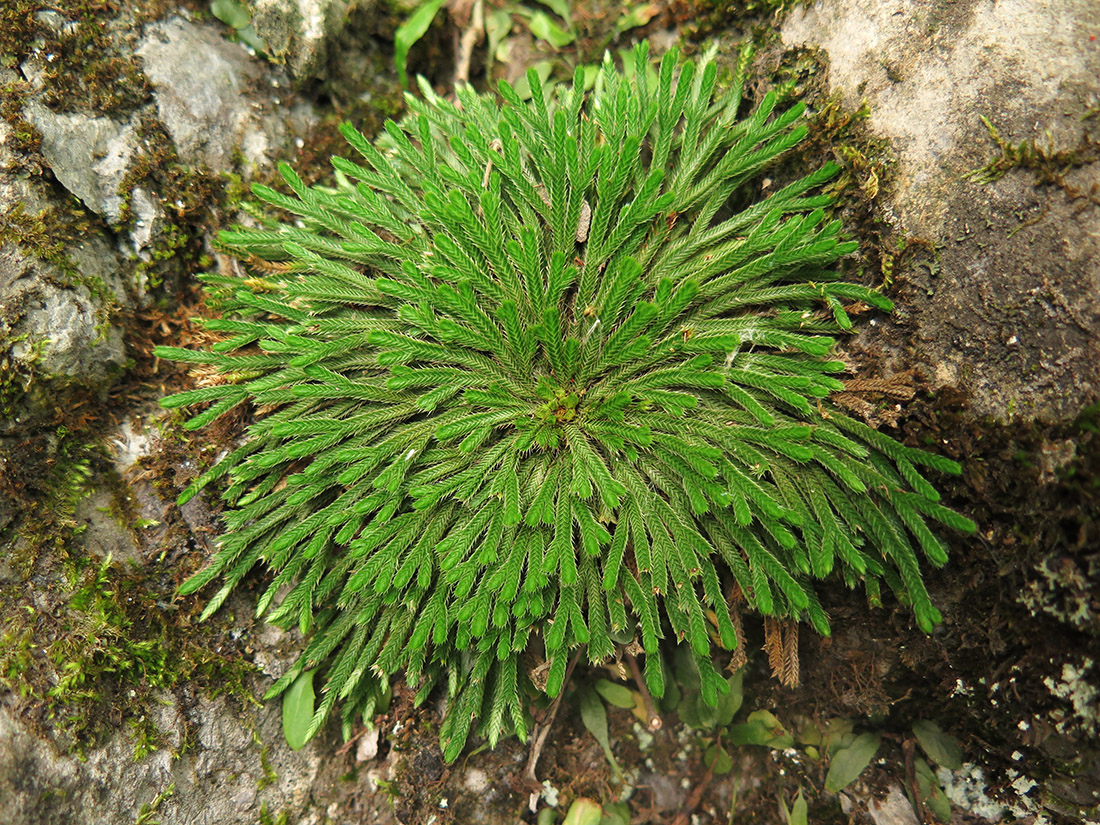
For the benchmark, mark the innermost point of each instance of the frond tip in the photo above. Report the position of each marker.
(528, 381)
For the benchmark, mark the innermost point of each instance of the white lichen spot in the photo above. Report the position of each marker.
(549, 793)
(644, 737)
(1077, 691)
(1023, 785)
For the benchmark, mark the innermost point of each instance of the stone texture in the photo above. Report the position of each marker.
(89, 156)
(199, 81)
(299, 31)
(1010, 307)
(222, 778)
(58, 330)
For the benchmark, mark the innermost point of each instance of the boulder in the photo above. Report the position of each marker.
(1007, 304)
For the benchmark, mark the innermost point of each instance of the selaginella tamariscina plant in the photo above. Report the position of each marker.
(536, 376)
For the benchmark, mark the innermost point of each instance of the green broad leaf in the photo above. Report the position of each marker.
(594, 717)
(584, 812)
(810, 734)
(688, 711)
(543, 28)
(636, 16)
(719, 759)
(616, 813)
(848, 763)
(931, 793)
(298, 711)
(591, 72)
(615, 694)
(561, 9)
(761, 728)
(748, 733)
(249, 37)
(543, 69)
(942, 749)
(798, 813)
(411, 31)
(707, 715)
(730, 703)
(498, 25)
(685, 671)
(233, 13)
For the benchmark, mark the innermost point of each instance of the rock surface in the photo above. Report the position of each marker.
(237, 766)
(58, 330)
(1009, 306)
(300, 31)
(90, 156)
(199, 79)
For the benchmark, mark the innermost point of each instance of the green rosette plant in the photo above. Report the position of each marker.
(533, 376)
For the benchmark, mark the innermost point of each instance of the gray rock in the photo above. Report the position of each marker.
(299, 31)
(148, 218)
(64, 325)
(892, 809)
(103, 534)
(58, 331)
(1012, 313)
(222, 778)
(198, 81)
(89, 155)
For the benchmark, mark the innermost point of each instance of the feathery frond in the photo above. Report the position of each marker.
(524, 375)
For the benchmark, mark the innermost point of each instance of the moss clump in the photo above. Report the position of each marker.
(106, 643)
(84, 69)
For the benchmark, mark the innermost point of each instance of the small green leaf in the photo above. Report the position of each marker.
(848, 763)
(249, 37)
(543, 28)
(591, 72)
(636, 16)
(594, 716)
(616, 813)
(800, 810)
(561, 9)
(411, 31)
(542, 69)
(719, 759)
(798, 813)
(298, 711)
(231, 12)
(498, 24)
(941, 748)
(618, 695)
(583, 812)
(730, 703)
(761, 728)
(931, 794)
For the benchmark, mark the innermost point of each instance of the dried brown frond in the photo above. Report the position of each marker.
(781, 644)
